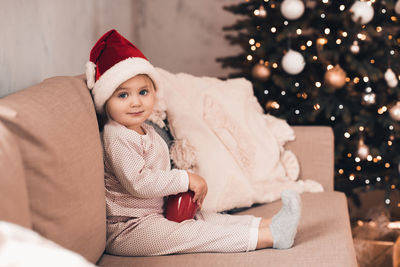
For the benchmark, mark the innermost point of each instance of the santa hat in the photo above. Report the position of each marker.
(114, 60)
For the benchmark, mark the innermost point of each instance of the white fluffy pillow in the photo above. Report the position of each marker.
(222, 134)
(22, 247)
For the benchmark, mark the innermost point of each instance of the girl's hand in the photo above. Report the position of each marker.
(199, 186)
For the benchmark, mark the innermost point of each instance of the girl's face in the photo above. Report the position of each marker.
(132, 102)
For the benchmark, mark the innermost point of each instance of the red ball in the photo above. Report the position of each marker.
(180, 207)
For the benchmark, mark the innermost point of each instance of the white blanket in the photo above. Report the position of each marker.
(222, 134)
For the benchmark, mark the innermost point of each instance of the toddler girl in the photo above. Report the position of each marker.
(138, 175)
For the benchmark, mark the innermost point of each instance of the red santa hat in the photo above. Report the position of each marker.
(114, 60)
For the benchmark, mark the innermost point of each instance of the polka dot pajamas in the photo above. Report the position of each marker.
(138, 176)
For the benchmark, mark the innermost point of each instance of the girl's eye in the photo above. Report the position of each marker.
(123, 95)
(144, 92)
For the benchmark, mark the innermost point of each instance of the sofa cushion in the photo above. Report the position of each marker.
(58, 137)
(323, 239)
(14, 206)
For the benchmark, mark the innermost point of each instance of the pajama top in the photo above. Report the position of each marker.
(138, 171)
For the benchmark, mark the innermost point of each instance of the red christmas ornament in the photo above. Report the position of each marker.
(180, 207)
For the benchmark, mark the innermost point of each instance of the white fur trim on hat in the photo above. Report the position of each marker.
(90, 74)
(118, 74)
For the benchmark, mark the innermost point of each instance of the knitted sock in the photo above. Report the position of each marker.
(283, 225)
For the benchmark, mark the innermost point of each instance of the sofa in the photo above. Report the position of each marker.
(51, 181)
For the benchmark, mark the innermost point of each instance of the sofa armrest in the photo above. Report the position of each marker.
(314, 148)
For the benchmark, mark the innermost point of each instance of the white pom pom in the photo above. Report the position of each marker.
(183, 154)
(90, 74)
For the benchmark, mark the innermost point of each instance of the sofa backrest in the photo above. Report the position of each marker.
(55, 129)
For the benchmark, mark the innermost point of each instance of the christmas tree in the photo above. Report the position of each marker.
(333, 63)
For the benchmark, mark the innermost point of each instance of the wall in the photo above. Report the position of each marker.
(44, 38)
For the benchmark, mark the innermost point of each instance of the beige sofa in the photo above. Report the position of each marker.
(51, 180)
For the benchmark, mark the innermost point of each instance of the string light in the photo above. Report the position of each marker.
(285, 23)
(252, 41)
(309, 43)
(378, 179)
(249, 57)
(340, 106)
(379, 29)
(365, 79)
(369, 158)
(344, 34)
(382, 110)
(351, 177)
(298, 31)
(361, 36)
(318, 84)
(347, 135)
(341, 7)
(322, 41)
(323, 16)
(327, 31)
(273, 30)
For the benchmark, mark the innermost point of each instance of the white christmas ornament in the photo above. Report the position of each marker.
(363, 11)
(391, 78)
(397, 7)
(292, 9)
(293, 62)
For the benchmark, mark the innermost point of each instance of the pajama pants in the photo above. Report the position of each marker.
(208, 232)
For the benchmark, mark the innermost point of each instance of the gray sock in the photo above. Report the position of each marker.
(283, 226)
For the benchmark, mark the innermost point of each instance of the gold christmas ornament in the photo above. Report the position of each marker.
(260, 72)
(395, 111)
(397, 7)
(335, 77)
